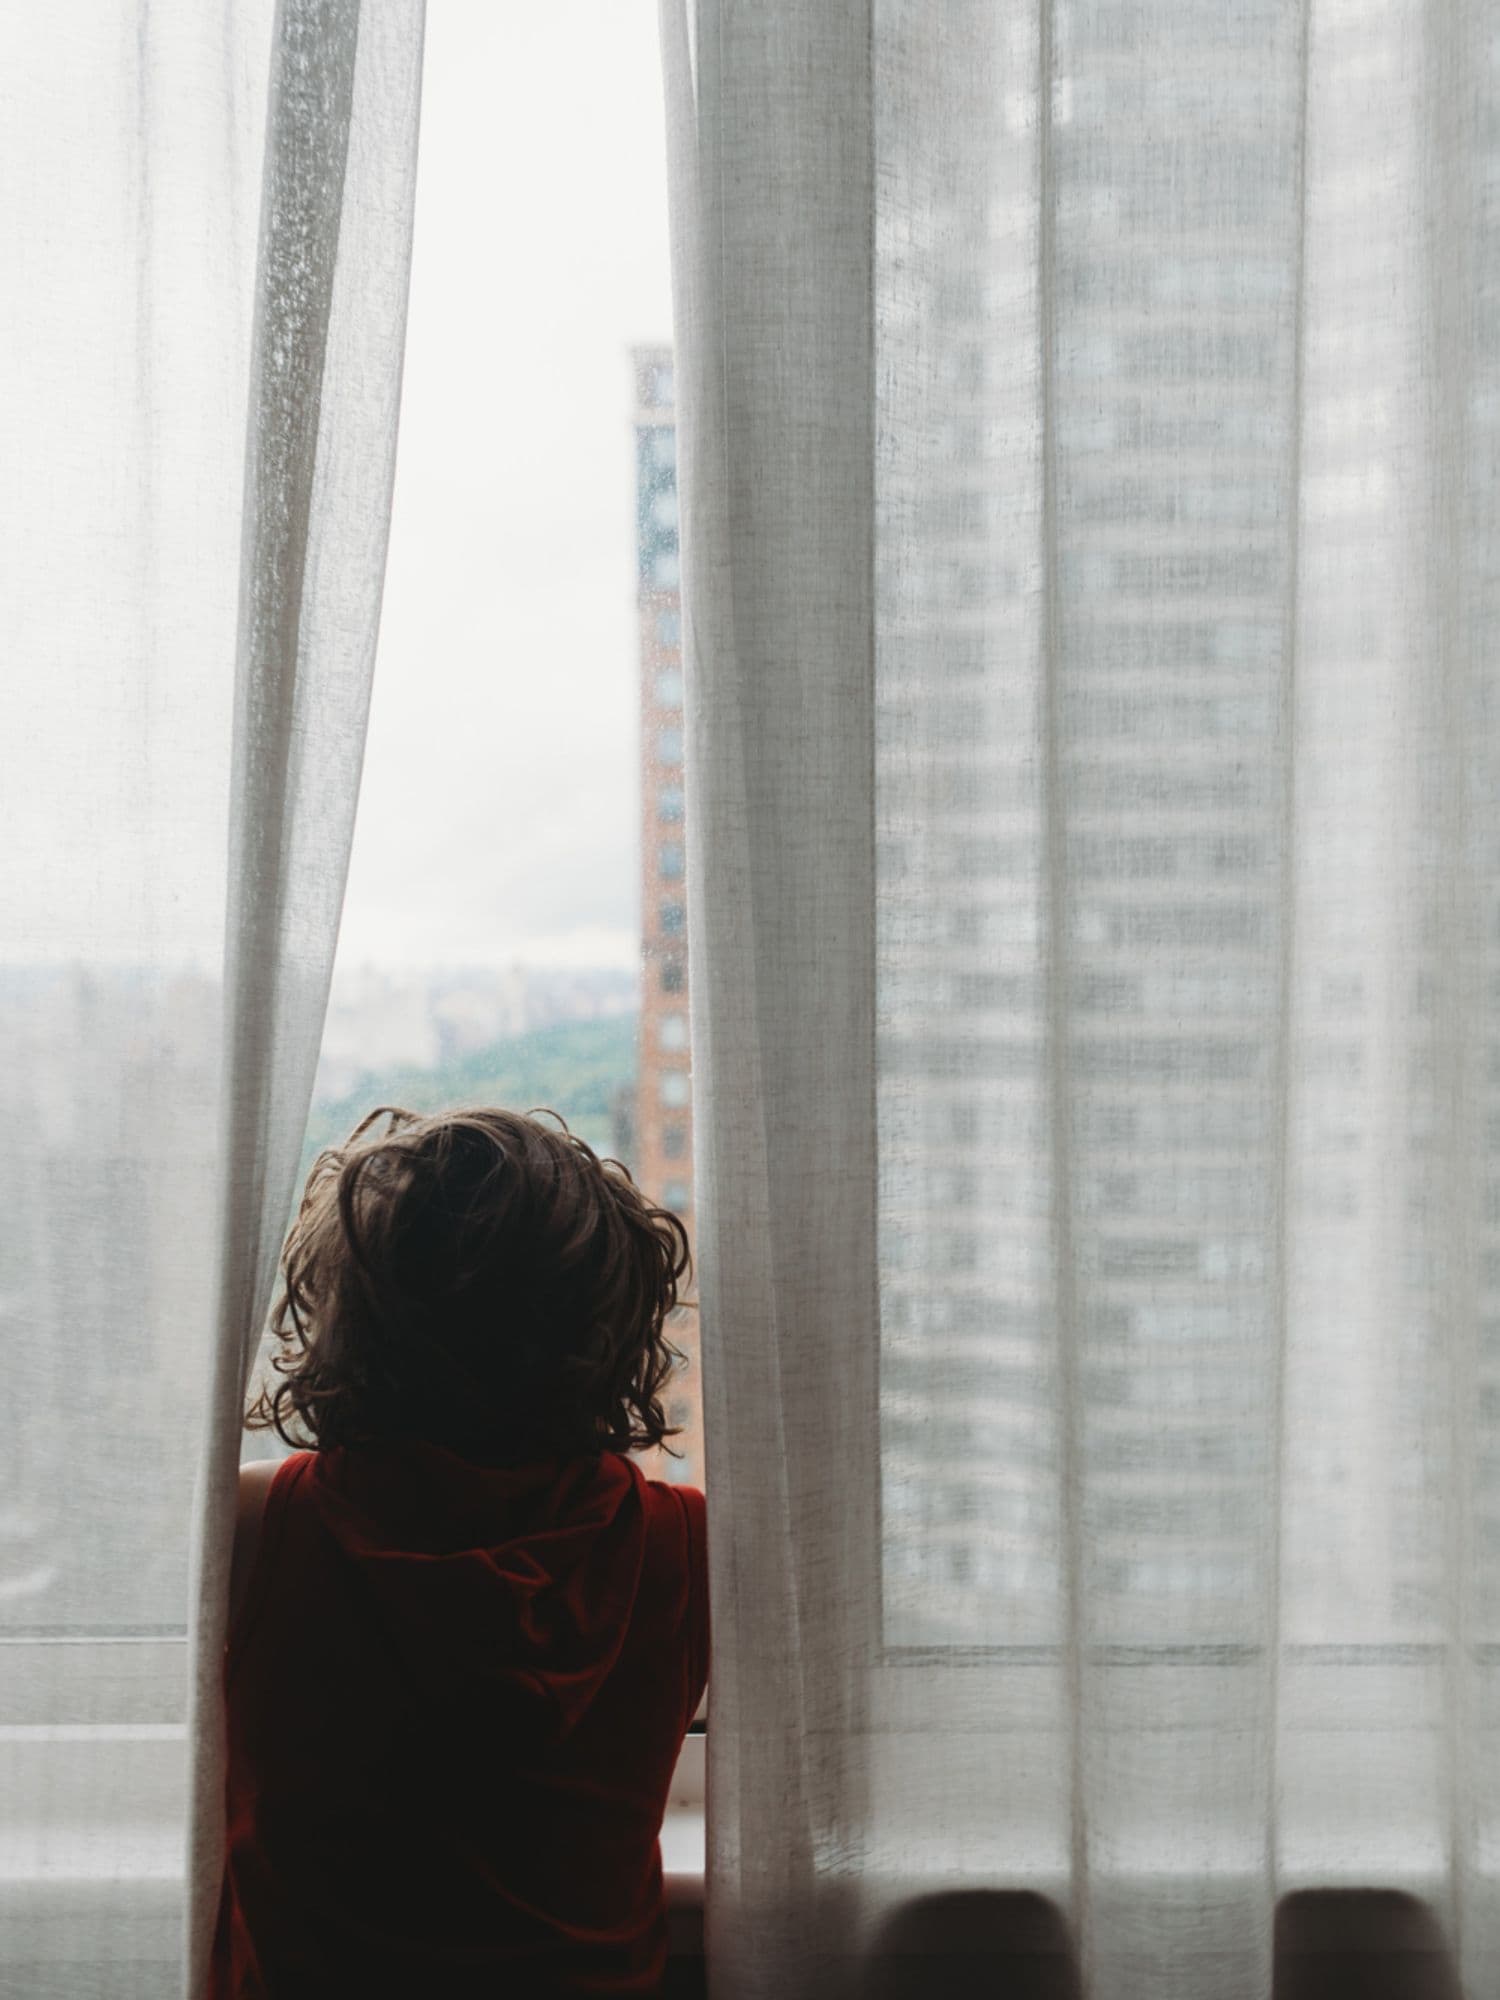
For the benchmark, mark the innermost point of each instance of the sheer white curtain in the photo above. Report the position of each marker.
(1088, 421)
(203, 259)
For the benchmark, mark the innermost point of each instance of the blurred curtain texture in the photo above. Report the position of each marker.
(1089, 416)
(203, 267)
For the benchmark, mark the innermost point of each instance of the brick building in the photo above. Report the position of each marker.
(663, 1148)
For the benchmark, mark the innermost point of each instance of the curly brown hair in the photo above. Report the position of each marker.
(477, 1280)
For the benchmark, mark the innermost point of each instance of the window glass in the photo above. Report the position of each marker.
(1171, 401)
(507, 955)
(669, 744)
(677, 1195)
(675, 1088)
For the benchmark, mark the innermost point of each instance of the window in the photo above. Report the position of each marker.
(674, 1141)
(677, 1195)
(676, 1088)
(493, 962)
(556, 1017)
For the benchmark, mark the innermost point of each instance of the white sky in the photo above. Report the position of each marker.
(498, 815)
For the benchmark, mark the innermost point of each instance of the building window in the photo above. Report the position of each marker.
(669, 744)
(672, 980)
(676, 1089)
(660, 386)
(669, 628)
(672, 1031)
(664, 448)
(669, 803)
(673, 919)
(674, 1141)
(666, 571)
(664, 508)
(669, 861)
(677, 1195)
(669, 688)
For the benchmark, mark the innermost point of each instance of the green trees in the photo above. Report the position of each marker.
(583, 1069)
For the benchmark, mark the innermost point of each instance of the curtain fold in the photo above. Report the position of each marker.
(1088, 427)
(783, 1022)
(335, 248)
(203, 267)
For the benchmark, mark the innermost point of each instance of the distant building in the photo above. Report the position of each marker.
(1155, 1261)
(663, 1126)
(1159, 1261)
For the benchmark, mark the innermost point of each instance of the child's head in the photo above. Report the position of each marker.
(478, 1280)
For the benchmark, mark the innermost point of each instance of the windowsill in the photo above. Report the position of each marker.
(683, 1856)
(684, 1839)
(122, 1879)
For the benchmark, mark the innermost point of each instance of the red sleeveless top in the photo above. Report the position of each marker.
(455, 1698)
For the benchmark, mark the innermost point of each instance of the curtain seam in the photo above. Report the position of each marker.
(1054, 831)
(1282, 1085)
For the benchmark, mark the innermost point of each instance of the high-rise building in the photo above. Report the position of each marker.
(1083, 573)
(1128, 937)
(663, 1161)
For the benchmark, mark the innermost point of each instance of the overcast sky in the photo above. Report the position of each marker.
(498, 815)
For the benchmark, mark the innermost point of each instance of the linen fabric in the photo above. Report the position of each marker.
(1087, 431)
(203, 259)
(456, 1695)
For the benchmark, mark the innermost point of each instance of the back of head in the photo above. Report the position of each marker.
(478, 1280)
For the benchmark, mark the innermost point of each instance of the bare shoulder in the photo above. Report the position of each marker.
(255, 1486)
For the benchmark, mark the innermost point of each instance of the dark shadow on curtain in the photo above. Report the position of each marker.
(1360, 1944)
(980, 1942)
